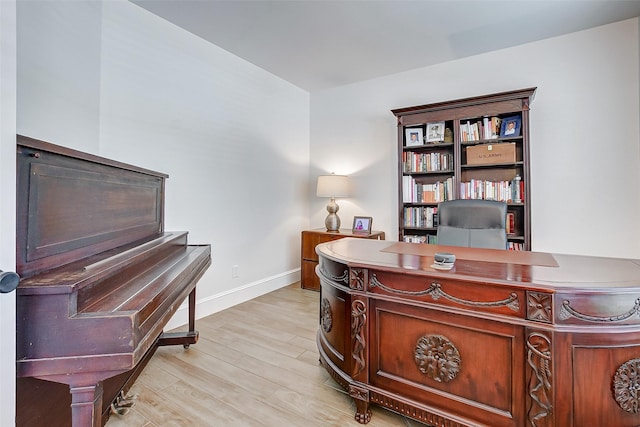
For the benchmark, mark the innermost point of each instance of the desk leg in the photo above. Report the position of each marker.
(361, 399)
(86, 405)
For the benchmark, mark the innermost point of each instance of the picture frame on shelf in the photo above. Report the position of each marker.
(362, 224)
(413, 137)
(435, 132)
(510, 127)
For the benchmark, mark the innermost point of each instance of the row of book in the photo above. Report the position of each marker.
(422, 217)
(415, 192)
(426, 162)
(487, 128)
(431, 239)
(427, 217)
(440, 191)
(507, 191)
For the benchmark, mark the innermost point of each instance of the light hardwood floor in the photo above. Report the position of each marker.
(255, 364)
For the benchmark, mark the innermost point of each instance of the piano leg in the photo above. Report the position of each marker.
(184, 338)
(86, 405)
(192, 310)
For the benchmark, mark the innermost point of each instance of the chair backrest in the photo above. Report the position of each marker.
(472, 223)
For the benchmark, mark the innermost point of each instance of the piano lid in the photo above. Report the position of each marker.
(72, 205)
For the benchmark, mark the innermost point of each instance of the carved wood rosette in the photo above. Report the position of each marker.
(326, 318)
(437, 358)
(540, 382)
(539, 307)
(358, 339)
(358, 276)
(626, 386)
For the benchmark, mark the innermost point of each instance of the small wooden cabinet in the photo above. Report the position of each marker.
(311, 238)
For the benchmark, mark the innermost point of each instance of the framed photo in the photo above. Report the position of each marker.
(510, 127)
(435, 132)
(362, 224)
(413, 137)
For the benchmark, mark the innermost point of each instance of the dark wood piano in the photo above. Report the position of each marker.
(100, 280)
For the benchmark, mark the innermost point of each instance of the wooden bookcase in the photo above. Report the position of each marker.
(472, 159)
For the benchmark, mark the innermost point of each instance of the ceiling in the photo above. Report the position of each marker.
(319, 44)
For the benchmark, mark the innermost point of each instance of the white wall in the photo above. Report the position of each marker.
(233, 138)
(7, 207)
(585, 150)
(59, 72)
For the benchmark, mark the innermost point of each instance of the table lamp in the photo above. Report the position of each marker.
(332, 186)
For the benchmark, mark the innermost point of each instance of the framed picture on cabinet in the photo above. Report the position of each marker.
(510, 127)
(413, 137)
(362, 224)
(435, 132)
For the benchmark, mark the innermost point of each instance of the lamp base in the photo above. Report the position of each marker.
(332, 221)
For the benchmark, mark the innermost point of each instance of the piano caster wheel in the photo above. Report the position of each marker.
(186, 346)
(122, 403)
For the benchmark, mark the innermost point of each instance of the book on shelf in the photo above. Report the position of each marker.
(411, 238)
(511, 223)
(505, 191)
(496, 123)
(515, 246)
(421, 216)
(426, 162)
(487, 128)
(415, 192)
(431, 239)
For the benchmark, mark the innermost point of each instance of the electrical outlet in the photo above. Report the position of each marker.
(234, 271)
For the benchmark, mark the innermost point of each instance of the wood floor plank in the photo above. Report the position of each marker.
(255, 364)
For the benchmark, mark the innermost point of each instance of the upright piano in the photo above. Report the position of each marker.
(100, 279)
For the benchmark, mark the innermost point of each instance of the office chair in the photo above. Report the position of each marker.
(472, 223)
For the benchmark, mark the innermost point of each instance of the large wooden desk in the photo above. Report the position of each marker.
(503, 339)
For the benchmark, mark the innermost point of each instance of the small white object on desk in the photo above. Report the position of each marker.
(443, 261)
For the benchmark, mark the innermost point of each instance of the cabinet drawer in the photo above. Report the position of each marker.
(474, 296)
(309, 279)
(311, 240)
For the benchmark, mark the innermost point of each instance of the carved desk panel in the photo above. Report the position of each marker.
(502, 339)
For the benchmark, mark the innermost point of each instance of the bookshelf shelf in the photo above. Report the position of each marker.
(442, 145)
(487, 158)
(490, 141)
(422, 228)
(493, 165)
(445, 172)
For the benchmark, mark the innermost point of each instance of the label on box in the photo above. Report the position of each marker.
(491, 153)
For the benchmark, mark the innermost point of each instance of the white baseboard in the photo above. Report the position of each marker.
(226, 299)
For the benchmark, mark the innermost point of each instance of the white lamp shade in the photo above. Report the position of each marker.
(332, 186)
